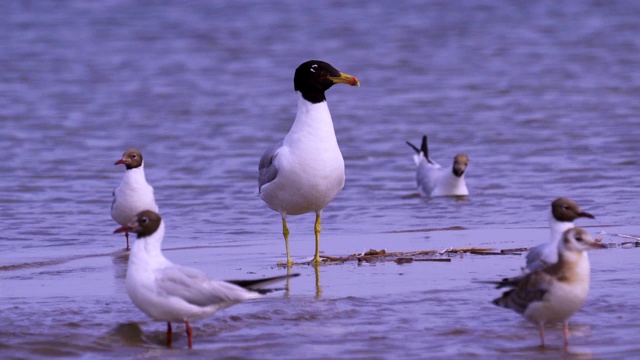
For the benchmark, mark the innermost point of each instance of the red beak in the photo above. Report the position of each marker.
(586, 214)
(121, 161)
(124, 228)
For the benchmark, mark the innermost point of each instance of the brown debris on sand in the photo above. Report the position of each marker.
(406, 257)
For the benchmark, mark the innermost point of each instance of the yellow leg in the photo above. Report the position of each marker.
(316, 259)
(286, 286)
(316, 267)
(285, 233)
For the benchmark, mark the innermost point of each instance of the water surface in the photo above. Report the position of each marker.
(543, 97)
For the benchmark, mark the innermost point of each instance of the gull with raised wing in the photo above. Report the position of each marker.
(555, 293)
(435, 180)
(305, 171)
(563, 212)
(133, 194)
(169, 292)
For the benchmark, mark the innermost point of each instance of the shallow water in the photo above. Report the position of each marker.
(542, 97)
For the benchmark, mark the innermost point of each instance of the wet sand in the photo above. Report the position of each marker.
(77, 306)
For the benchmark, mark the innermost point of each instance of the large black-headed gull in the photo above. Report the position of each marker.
(305, 171)
(133, 194)
(169, 292)
(563, 212)
(435, 180)
(554, 293)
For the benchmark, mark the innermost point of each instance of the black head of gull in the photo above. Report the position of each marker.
(314, 77)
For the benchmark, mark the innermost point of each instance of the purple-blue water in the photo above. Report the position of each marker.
(542, 96)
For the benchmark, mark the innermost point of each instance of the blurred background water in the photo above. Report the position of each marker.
(542, 96)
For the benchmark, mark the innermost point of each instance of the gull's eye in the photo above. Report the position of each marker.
(313, 67)
(133, 156)
(579, 238)
(144, 220)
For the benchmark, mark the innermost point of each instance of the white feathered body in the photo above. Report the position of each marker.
(434, 180)
(546, 254)
(132, 196)
(169, 292)
(567, 294)
(314, 171)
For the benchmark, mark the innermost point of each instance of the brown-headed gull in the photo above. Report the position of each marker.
(435, 180)
(169, 292)
(563, 212)
(133, 194)
(305, 171)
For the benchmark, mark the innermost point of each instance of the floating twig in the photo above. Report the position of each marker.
(516, 250)
(489, 253)
(435, 259)
(468, 250)
(407, 257)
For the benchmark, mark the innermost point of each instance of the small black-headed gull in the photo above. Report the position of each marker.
(563, 212)
(133, 194)
(169, 292)
(555, 293)
(305, 171)
(433, 179)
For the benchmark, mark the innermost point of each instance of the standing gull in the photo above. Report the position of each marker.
(169, 292)
(434, 180)
(305, 171)
(555, 293)
(133, 194)
(563, 212)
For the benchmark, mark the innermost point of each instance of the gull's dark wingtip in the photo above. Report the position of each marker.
(413, 147)
(258, 285)
(424, 148)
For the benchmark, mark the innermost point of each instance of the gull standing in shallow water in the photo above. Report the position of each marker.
(433, 179)
(133, 194)
(169, 292)
(305, 171)
(563, 212)
(555, 293)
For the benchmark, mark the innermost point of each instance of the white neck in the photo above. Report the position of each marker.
(449, 184)
(135, 174)
(453, 181)
(148, 250)
(558, 228)
(313, 125)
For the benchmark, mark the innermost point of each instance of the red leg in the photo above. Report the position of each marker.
(189, 340)
(168, 334)
(541, 330)
(566, 334)
(126, 234)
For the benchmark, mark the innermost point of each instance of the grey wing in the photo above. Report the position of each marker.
(427, 176)
(268, 170)
(196, 288)
(535, 257)
(532, 288)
